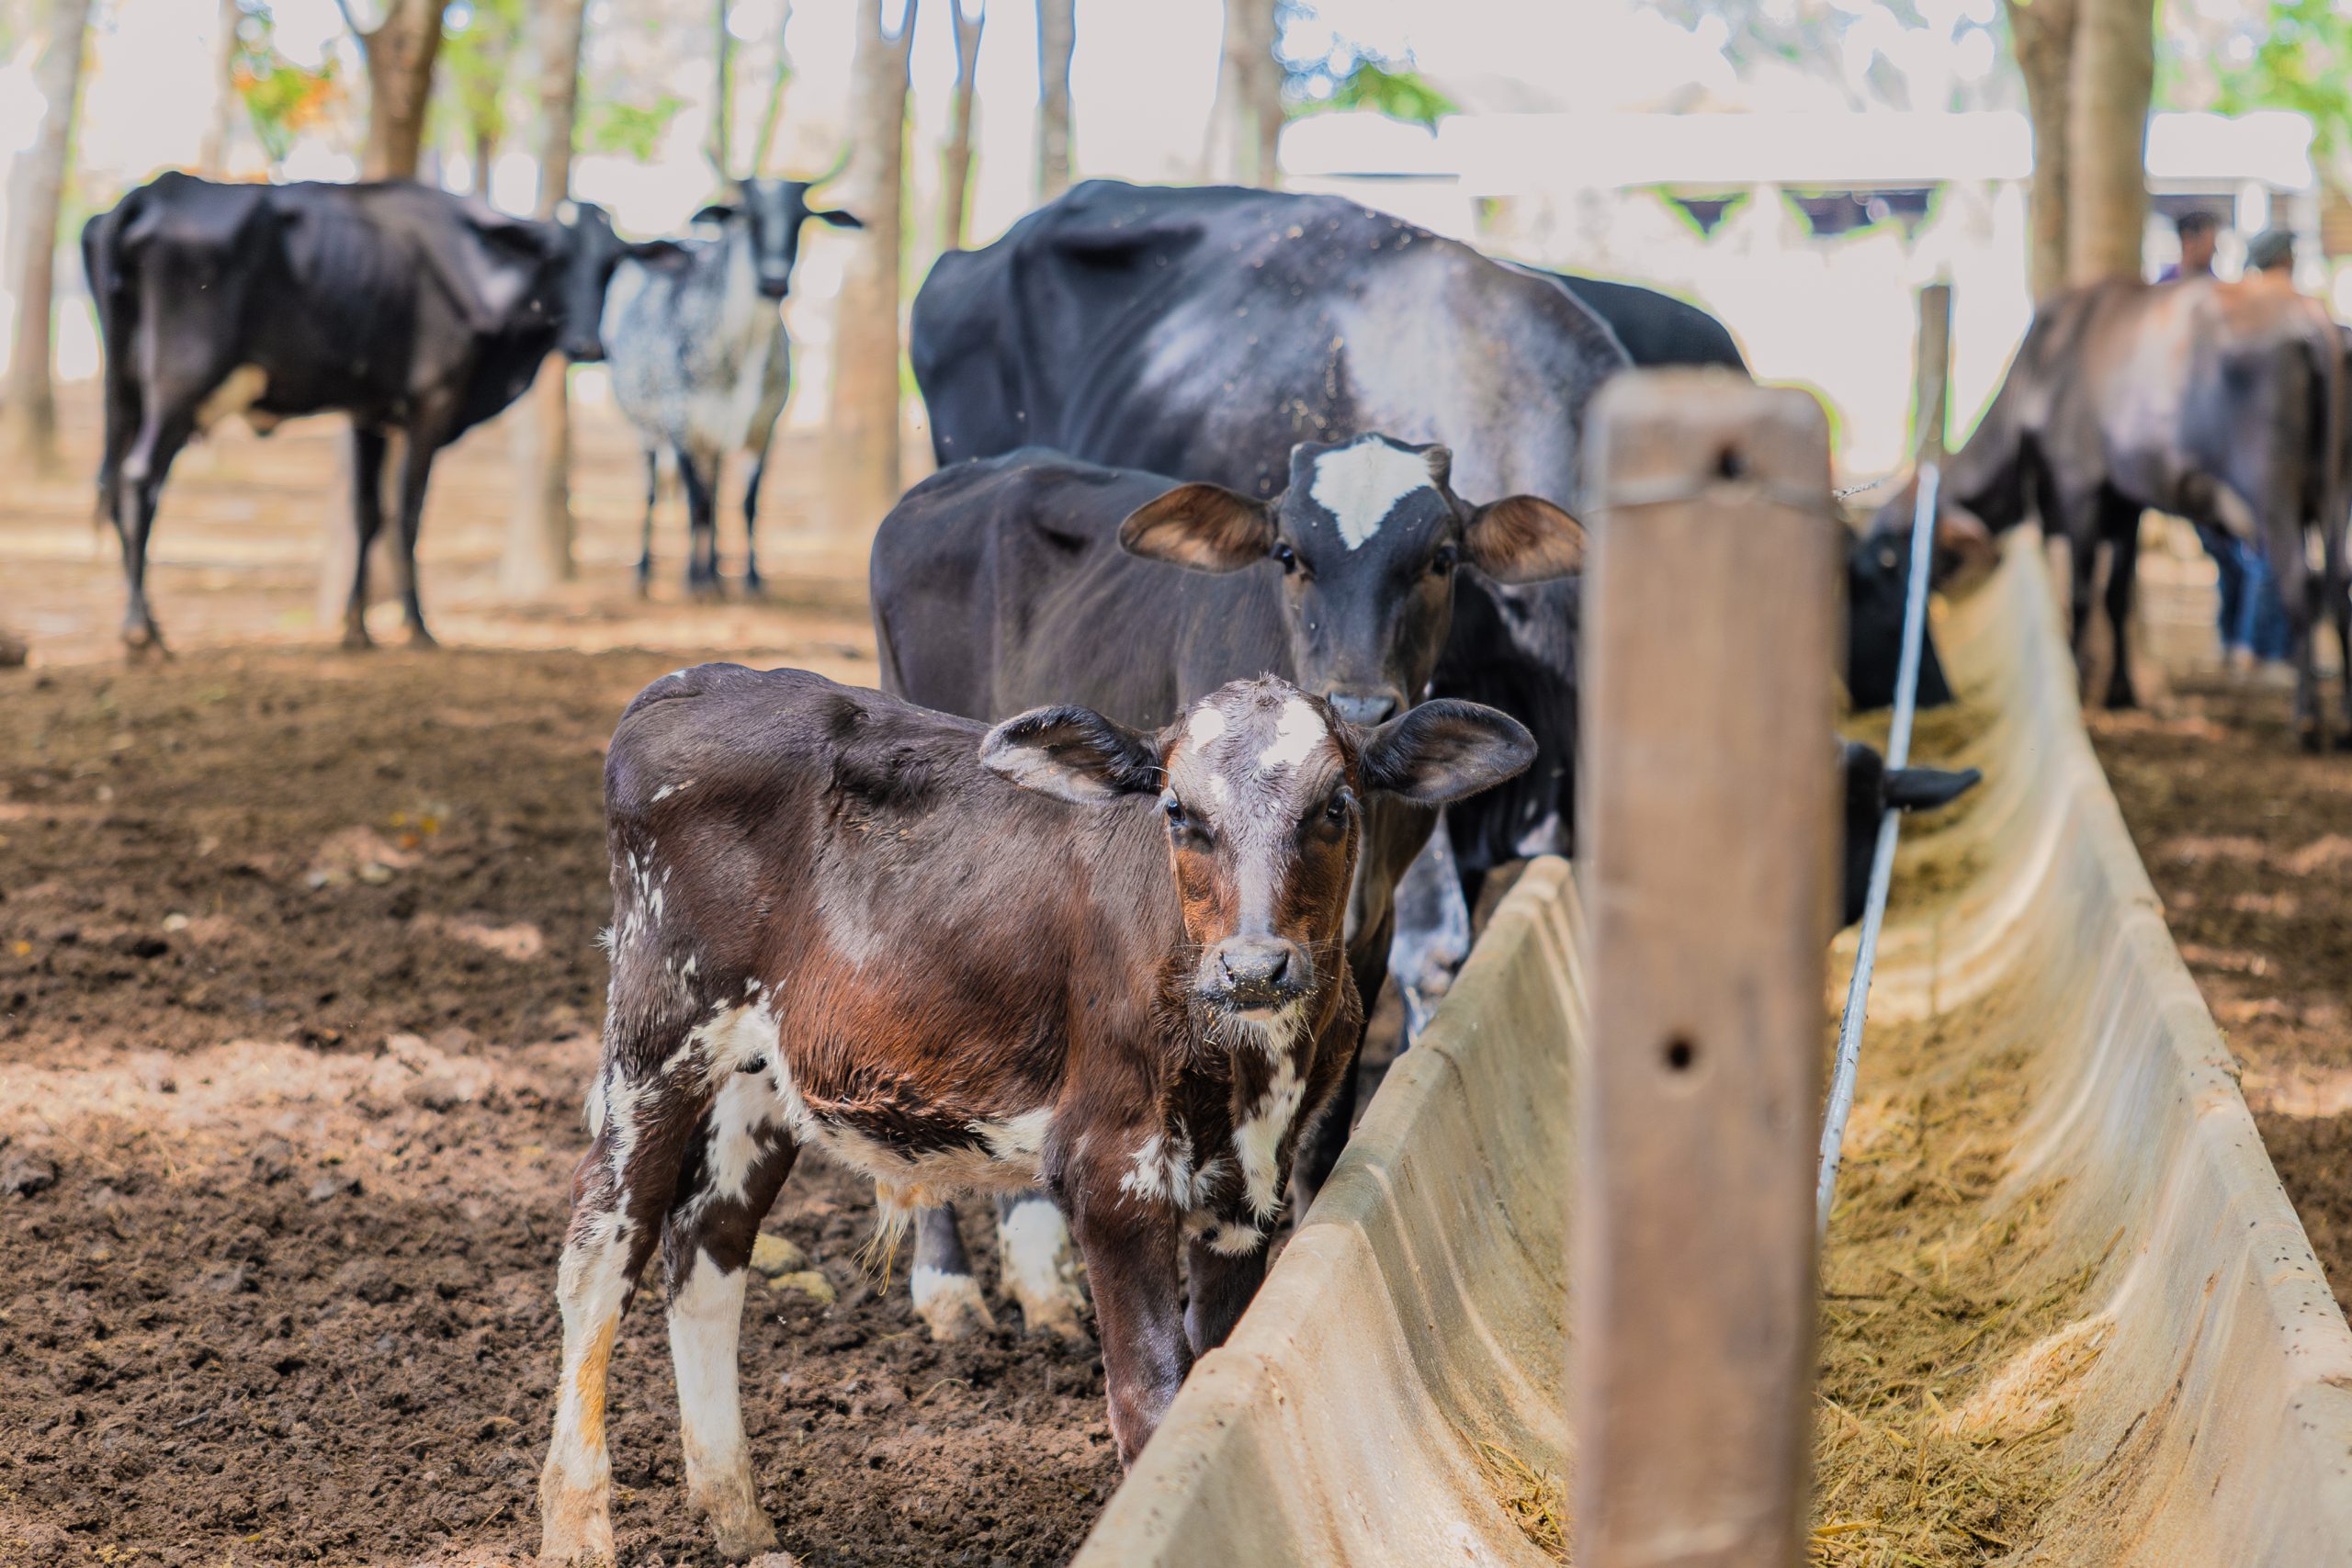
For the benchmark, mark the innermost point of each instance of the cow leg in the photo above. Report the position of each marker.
(740, 1156)
(751, 583)
(2120, 521)
(423, 444)
(1222, 1269)
(645, 547)
(946, 1297)
(1327, 1136)
(2299, 595)
(1432, 930)
(1130, 1250)
(620, 1193)
(702, 525)
(1034, 1256)
(367, 448)
(139, 486)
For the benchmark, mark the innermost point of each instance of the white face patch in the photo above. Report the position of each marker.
(1205, 725)
(1296, 731)
(1360, 485)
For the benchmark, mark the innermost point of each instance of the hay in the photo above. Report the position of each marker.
(1537, 1501)
(1952, 1339)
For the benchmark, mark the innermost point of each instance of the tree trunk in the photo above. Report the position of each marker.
(772, 114)
(862, 440)
(400, 53)
(212, 155)
(2106, 154)
(28, 398)
(2043, 34)
(956, 175)
(719, 148)
(1246, 123)
(538, 535)
(1057, 41)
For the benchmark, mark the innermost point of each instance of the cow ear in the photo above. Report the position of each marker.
(1524, 538)
(840, 218)
(1924, 789)
(1204, 526)
(657, 254)
(1072, 753)
(1443, 751)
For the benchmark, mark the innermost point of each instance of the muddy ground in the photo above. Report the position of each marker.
(2250, 845)
(297, 993)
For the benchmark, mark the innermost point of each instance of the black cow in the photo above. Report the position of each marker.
(1656, 329)
(408, 308)
(997, 584)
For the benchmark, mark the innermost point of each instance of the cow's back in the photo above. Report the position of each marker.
(1000, 585)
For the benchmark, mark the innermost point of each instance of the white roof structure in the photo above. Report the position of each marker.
(1503, 154)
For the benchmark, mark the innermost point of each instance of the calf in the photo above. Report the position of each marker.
(1059, 953)
(700, 363)
(411, 310)
(1003, 583)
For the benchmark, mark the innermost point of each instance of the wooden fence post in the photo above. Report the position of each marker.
(1705, 838)
(1934, 373)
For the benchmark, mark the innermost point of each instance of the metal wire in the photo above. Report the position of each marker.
(1899, 754)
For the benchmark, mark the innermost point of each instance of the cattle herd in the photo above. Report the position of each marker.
(1229, 650)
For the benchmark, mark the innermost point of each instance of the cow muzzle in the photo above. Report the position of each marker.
(775, 287)
(1250, 974)
(1365, 708)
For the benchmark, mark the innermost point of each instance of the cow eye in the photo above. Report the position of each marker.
(1442, 561)
(1288, 557)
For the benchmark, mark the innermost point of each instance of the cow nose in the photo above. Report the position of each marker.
(1256, 968)
(775, 288)
(1364, 708)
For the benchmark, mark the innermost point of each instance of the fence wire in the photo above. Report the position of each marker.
(1898, 755)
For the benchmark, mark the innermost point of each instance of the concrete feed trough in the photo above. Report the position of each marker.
(1403, 1370)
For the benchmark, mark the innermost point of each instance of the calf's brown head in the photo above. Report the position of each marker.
(1262, 789)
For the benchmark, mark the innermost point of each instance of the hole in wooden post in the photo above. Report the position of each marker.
(1681, 1054)
(1728, 464)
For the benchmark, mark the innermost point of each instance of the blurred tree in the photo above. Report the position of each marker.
(862, 446)
(479, 42)
(280, 99)
(1057, 41)
(212, 153)
(28, 395)
(955, 162)
(717, 146)
(771, 113)
(1245, 122)
(2113, 75)
(1400, 94)
(2297, 56)
(539, 534)
(399, 51)
(2042, 33)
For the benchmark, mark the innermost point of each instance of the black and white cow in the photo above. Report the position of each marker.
(1006, 582)
(408, 308)
(700, 363)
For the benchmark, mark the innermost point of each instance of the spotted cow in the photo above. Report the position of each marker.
(1060, 954)
(1009, 581)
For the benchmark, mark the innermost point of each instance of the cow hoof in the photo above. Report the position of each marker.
(2307, 736)
(2121, 699)
(738, 1525)
(355, 639)
(1059, 1317)
(576, 1526)
(419, 637)
(754, 588)
(143, 641)
(951, 1306)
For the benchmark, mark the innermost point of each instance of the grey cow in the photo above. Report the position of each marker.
(699, 360)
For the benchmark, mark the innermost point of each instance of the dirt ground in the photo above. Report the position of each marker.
(298, 996)
(2247, 842)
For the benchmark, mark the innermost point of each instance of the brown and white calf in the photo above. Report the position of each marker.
(1058, 952)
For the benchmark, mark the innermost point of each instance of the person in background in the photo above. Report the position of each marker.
(2251, 619)
(2199, 232)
